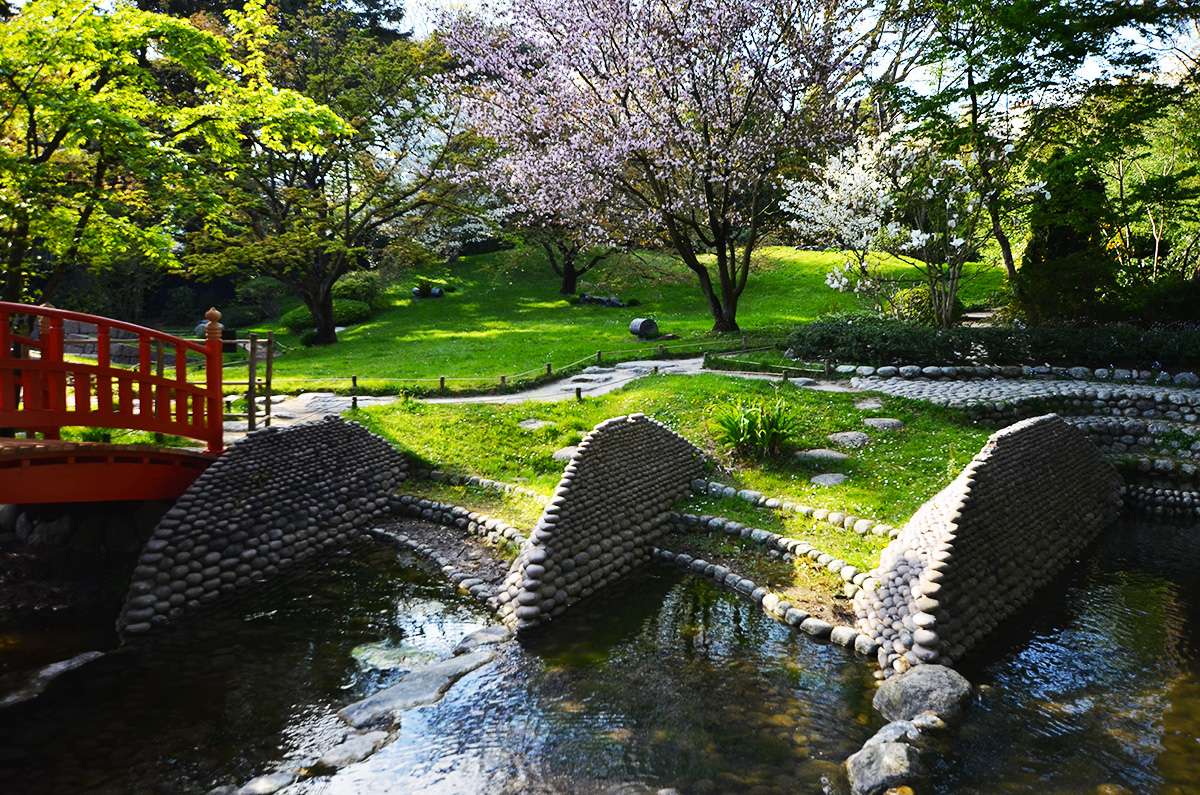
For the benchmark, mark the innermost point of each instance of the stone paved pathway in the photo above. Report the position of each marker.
(961, 393)
(310, 406)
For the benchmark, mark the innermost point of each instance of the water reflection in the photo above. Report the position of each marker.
(667, 682)
(1099, 689)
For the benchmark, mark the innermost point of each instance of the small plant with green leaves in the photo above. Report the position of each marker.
(752, 428)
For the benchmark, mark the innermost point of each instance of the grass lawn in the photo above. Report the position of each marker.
(889, 479)
(505, 317)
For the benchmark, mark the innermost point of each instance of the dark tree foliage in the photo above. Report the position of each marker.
(1066, 271)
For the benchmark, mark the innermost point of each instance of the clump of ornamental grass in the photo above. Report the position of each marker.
(752, 428)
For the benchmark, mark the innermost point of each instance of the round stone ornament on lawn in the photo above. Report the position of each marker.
(869, 404)
(829, 479)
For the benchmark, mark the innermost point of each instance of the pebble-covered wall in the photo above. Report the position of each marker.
(1027, 504)
(274, 498)
(612, 504)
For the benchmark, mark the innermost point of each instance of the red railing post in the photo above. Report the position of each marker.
(214, 406)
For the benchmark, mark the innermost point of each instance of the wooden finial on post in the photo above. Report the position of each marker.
(213, 330)
(212, 372)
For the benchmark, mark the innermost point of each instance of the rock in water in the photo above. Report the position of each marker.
(925, 687)
(875, 770)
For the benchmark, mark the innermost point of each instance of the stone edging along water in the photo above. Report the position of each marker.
(495, 530)
(1014, 372)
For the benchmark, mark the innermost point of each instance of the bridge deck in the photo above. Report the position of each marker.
(44, 471)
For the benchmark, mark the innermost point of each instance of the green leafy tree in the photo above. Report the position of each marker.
(1135, 140)
(993, 67)
(98, 159)
(1067, 269)
(309, 218)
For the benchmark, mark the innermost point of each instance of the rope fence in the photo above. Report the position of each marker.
(598, 358)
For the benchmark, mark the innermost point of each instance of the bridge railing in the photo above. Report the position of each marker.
(41, 391)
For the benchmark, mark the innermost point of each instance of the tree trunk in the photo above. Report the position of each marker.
(570, 276)
(1005, 244)
(18, 242)
(322, 312)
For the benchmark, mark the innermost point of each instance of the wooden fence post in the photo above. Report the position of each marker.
(252, 385)
(267, 375)
(215, 416)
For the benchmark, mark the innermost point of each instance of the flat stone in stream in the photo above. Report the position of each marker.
(417, 688)
(488, 636)
(354, 748)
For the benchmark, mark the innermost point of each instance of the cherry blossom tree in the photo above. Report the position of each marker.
(666, 123)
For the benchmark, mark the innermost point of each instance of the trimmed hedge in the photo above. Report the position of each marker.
(363, 286)
(875, 342)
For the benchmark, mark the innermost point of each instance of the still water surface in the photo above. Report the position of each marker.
(666, 682)
(1096, 687)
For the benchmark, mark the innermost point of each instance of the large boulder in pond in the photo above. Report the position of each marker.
(880, 768)
(924, 687)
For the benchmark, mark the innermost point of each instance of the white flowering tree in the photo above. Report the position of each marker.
(940, 229)
(678, 119)
(901, 196)
(845, 205)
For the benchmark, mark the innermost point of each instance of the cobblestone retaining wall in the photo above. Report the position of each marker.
(78, 340)
(612, 504)
(1027, 504)
(274, 498)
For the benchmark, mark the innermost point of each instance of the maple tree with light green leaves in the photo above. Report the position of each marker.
(116, 128)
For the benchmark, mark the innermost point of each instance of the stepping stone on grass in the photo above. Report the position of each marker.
(869, 404)
(829, 479)
(850, 439)
(532, 424)
(884, 423)
(565, 453)
(822, 456)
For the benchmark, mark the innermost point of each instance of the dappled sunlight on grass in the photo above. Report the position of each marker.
(506, 316)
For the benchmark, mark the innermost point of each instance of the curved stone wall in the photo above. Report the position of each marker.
(274, 498)
(613, 502)
(1027, 504)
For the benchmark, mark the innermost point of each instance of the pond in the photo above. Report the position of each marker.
(665, 682)
(1096, 688)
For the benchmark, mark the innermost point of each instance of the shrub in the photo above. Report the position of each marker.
(345, 313)
(866, 340)
(182, 307)
(264, 293)
(241, 315)
(297, 320)
(752, 428)
(363, 286)
(915, 306)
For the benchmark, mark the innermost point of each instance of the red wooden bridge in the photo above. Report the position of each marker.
(42, 390)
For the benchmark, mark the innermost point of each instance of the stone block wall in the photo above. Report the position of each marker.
(274, 498)
(1026, 506)
(613, 502)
